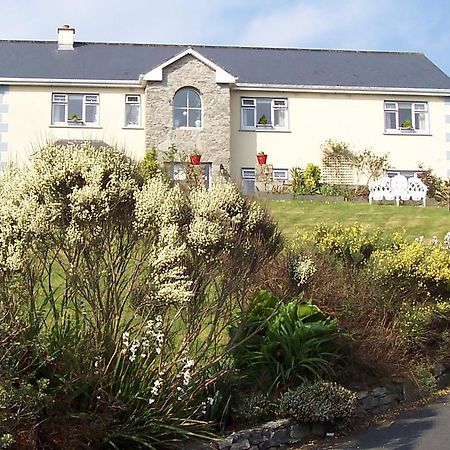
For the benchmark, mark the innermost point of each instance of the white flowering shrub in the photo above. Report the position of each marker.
(128, 285)
(318, 402)
(303, 268)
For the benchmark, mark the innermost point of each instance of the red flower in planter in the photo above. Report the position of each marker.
(261, 157)
(195, 159)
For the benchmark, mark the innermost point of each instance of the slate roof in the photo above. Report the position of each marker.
(255, 65)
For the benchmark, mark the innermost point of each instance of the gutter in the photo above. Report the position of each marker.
(71, 82)
(341, 89)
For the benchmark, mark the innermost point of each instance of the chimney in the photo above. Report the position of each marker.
(65, 37)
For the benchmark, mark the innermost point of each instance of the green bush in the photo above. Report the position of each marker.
(149, 165)
(318, 402)
(306, 181)
(284, 343)
(437, 187)
(253, 408)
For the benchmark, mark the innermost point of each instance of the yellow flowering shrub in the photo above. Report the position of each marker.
(418, 265)
(352, 245)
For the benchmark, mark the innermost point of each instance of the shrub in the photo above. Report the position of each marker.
(306, 181)
(352, 245)
(424, 379)
(312, 178)
(437, 187)
(318, 402)
(123, 291)
(149, 165)
(414, 267)
(253, 408)
(284, 343)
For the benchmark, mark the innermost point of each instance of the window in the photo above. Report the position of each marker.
(264, 113)
(132, 110)
(248, 173)
(406, 117)
(248, 176)
(280, 174)
(75, 109)
(187, 109)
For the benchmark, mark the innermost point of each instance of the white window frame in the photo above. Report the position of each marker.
(88, 99)
(188, 108)
(276, 103)
(248, 173)
(392, 106)
(129, 101)
(280, 174)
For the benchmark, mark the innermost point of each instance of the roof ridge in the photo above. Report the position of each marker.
(245, 47)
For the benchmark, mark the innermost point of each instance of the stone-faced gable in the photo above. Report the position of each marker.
(212, 140)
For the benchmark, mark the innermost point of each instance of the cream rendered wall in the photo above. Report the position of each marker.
(29, 120)
(357, 119)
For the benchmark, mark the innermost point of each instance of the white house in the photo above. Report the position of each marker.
(227, 102)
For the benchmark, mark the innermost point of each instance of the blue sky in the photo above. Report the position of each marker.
(399, 25)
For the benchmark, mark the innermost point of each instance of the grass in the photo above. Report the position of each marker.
(297, 215)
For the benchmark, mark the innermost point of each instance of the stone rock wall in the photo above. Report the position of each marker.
(212, 140)
(283, 434)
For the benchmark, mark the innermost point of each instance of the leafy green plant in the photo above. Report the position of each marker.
(406, 124)
(149, 165)
(306, 181)
(312, 178)
(262, 120)
(319, 401)
(279, 346)
(298, 181)
(331, 190)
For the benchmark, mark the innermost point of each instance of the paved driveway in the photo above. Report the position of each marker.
(425, 429)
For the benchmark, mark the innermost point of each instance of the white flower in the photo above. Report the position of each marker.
(303, 269)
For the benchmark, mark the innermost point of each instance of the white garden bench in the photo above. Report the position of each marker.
(398, 188)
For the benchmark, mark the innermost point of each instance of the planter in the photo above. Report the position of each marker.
(262, 159)
(195, 159)
(75, 123)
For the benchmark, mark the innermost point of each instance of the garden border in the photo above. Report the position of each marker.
(281, 434)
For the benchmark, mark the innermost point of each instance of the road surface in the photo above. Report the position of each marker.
(427, 428)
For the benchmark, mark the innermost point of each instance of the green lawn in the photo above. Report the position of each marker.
(297, 215)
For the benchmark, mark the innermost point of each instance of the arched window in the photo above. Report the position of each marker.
(187, 109)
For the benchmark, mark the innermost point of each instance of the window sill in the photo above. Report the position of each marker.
(266, 130)
(78, 127)
(132, 128)
(187, 128)
(406, 133)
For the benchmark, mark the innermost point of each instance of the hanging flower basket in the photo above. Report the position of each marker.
(262, 158)
(195, 159)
